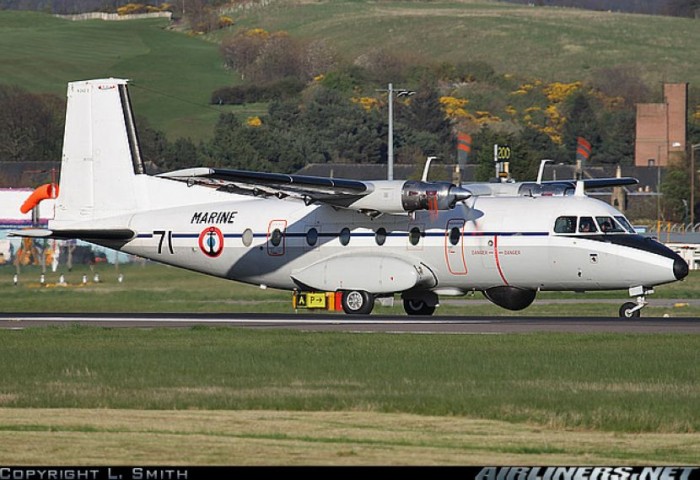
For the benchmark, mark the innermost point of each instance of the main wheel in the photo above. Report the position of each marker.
(357, 302)
(626, 310)
(417, 307)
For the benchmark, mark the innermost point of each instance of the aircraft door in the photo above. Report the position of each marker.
(276, 237)
(454, 247)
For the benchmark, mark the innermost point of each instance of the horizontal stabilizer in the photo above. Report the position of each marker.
(98, 234)
(31, 232)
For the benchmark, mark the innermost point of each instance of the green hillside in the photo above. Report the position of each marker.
(174, 73)
(553, 44)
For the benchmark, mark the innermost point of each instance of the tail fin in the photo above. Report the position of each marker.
(101, 155)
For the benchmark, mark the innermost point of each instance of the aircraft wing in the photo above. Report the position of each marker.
(339, 192)
(590, 183)
(605, 182)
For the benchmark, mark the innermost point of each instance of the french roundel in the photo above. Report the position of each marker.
(211, 242)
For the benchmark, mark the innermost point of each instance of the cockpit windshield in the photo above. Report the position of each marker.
(625, 224)
(608, 225)
(586, 225)
(592, 225)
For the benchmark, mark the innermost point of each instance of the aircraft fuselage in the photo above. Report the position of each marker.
(485, 243)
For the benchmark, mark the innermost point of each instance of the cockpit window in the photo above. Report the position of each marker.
(608, 225)
(617, 224)
(565, 225)
(625, 224)
(586, 225)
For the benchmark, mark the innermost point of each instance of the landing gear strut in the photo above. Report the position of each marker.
(632, 309)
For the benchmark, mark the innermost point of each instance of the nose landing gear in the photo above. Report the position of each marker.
(631, 309)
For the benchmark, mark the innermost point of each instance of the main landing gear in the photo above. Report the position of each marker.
(420, 303)
(418, 307)
(357, 302)
(632, 309)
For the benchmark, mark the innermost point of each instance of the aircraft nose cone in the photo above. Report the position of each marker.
(680, 268)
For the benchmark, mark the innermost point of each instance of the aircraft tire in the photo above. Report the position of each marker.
(357, 302)
(417, 307)
(625, 310)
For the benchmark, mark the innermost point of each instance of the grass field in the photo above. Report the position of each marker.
(83, 395)
(155, 288)
(235, 396)
(551, 44)
(174, 73)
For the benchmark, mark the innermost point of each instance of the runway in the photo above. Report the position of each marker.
(345, 323)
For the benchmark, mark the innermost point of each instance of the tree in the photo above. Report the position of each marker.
(675, 188)
(483, 142)
(529, 148)
(230, 148)
(581, 121)
(183, 153)
(155, 146)
(617, 146)
(242, 49)
(31, 126)
(622, 83)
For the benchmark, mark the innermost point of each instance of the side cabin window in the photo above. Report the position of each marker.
(414, 236)
(586, 225)
(344, 236)
(565, 225)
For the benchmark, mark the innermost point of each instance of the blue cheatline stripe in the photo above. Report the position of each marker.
(364, 234)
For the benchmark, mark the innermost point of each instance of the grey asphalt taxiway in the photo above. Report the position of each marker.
(309, 321)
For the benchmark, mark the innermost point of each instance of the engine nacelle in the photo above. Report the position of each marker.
(512, 298)
(410, 195)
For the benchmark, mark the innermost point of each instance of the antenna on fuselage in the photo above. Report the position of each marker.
(540, 172)
(424, 178)
(579, 192)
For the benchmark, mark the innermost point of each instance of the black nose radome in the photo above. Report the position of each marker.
(680, 268)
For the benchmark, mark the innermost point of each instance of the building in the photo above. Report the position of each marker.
(661, 128)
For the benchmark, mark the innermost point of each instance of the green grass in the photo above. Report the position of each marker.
(85, 395)
(551, 44)
(591, 382)
(151, 287)
(173, 74)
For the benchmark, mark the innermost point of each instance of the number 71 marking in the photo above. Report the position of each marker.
(163, 235)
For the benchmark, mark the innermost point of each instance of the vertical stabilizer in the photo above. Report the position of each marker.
(101, 156)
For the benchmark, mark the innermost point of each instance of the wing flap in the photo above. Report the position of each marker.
(334, 191)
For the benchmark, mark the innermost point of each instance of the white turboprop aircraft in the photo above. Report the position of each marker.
(364, 240)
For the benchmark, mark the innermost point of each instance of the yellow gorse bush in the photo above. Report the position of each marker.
(368, 103)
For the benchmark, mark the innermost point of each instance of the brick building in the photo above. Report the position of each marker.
(661, 128)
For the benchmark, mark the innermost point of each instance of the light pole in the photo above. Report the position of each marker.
(402, 92)
(692, 184)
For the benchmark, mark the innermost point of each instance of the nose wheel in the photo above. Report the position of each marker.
(632, 309)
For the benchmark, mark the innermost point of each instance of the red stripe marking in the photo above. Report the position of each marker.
(498, 263)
